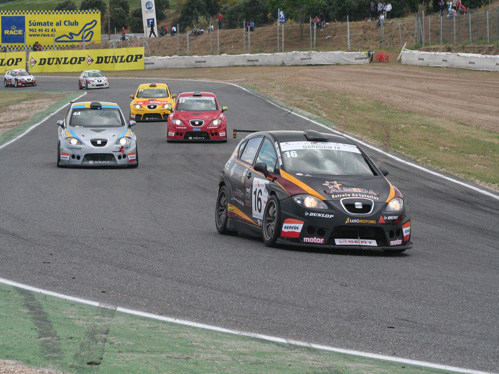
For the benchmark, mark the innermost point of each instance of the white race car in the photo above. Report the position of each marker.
(18, 78)
(92, 79)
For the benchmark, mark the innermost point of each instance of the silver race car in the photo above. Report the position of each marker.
(96, 134)
(92, 79)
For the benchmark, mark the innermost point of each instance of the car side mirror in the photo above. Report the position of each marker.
(262, 168)
(224, 108)
(131, 123)
(174, 96)
(131, 96)
(60, 123)
(383, 171)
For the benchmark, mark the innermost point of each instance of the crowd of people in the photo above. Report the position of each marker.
(379, 12)
(454, 7)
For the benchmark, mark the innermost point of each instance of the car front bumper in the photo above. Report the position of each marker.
(109, 155)
(190, 134)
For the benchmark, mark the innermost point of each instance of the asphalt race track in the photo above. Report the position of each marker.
(145, 239)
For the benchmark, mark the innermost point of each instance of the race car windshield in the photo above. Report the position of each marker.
(105, 117)
(324, 158)
(95, 74)
(196, 104)
(152, 93)
(23, 74)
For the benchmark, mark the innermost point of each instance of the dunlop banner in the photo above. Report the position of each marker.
(59, 28)
(12, 60)
(87, 59)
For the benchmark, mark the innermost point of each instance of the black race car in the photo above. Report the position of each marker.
(310, 188)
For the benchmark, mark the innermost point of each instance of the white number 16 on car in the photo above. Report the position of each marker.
(259, 197)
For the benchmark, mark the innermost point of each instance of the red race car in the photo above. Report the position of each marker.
(197, 116)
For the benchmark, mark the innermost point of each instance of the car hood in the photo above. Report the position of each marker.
(205, 116)
(27, 77)
(87, 133)
(159, 101)
(99, 79)
(331, 187)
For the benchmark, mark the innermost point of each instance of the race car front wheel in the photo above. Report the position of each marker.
(221, 211)
(58, 154)
(15, 83)
(271, 221)
(5, 83)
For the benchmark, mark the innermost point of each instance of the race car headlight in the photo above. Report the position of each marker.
(167, 106)
(309, 201)
(216, 122)
(137, 106)
(123, 141)
(395, 205)
(178, 122)
(74, 141)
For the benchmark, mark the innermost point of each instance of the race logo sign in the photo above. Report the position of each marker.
(13, 29)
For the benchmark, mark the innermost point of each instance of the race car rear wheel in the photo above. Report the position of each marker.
(221, 211)
(15, 83)
(271, 221)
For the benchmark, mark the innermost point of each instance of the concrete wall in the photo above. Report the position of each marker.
(451, 60)
(272, 59)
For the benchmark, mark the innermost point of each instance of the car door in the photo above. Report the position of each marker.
(258, 182)
(238, 171)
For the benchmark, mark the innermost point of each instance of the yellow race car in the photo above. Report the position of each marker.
(152, 102)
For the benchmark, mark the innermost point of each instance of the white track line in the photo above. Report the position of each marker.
(249, 334)
(243, 333)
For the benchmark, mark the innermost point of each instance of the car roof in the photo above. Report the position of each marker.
(197, 93)
(149, 85)
(91, 71)
(89, 104)
(304, 135)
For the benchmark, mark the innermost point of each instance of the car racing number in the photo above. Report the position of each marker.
(259, 197)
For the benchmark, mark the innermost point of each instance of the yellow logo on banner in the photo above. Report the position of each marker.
(76, 61)
(11, 61)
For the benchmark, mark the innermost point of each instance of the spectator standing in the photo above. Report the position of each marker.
(442, 7)
(458, 5)
(152, 32)
(372, 10)
(220, 18)
(388, 9)
(210, 28)
(4, 48)
(252, 26)
(166, 30)
(123, 33)
(449, 8)
(380, 8)
(381, 20)
(35, 47)
(174, 30)
(39, 47)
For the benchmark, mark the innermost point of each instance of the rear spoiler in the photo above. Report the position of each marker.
(235, 131)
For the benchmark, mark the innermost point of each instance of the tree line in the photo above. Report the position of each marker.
(201, 13)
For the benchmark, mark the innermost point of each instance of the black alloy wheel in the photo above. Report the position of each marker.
(5, 83)
(271, 222)
(221, 211)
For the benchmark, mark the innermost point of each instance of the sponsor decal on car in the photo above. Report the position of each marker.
(313, 240)
(319, 215)
(383, 219)
(222, 134)
(230, 207)
(259, 197)
(396, 242)
(291, 228)
(132, 157)
(406, 229)
(64, 156)
(171, 133)
(363, 242)
(337, 191)
(363, 221)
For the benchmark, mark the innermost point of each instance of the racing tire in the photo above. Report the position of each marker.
(271, 222)
(80, 87)
(136, 158)
(58, 154)
(5, 83)
(15, 83)
(86, 85)
(221, 211)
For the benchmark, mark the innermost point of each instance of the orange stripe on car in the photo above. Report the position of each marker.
(392, 193)
(231, 208)
(302, 185)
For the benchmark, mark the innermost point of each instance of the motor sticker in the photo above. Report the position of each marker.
(363, 221)
(363, 242)
(406, 229)
(396, 242)
(291, 228)
(259, 197)
(313, 240)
